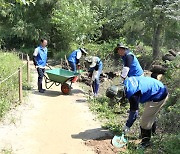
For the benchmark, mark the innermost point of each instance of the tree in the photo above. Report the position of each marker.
(156, 14)
(75, 21)
(24, 25)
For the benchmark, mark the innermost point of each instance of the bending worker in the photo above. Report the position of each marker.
(74, 57)
(95, 70)
(131, 66)
(143, 90)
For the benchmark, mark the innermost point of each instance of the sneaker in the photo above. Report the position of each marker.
(95, 95)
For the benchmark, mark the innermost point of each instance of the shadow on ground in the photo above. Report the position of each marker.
(81, 100)
(100, 139)
(50, 93)
(53, 93)
(93, 134)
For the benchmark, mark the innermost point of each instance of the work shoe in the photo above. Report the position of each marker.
(144, 145)
(41, 91)
(154, 129)
(146, 136)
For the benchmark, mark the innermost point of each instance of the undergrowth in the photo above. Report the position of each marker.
(9, 64)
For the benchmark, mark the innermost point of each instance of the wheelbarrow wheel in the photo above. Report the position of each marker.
(65, 88)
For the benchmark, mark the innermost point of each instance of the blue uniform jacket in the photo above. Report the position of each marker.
(135, 68)
(142, 89)
(150, 88)
(41, 58)
(73, 56)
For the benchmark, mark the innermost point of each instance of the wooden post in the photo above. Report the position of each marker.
(20, 84)
(22, 55)
(28, 70)
(61, 62)
(67, 64)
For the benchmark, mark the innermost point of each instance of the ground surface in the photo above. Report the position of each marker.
(52, 123)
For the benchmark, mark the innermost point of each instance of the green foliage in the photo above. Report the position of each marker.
(81, 21)
(172, 74)
(144, 55)
(158, 16)
(23, 26)
(61, 55)
(6, 151)
(166, 143)
(170, 115)
(167, 137)
(7, 3)
(75, 21)
(171, 144)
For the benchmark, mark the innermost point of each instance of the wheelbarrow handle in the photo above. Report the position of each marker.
(49, 67)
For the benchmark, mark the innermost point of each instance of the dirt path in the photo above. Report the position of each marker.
(50, 123)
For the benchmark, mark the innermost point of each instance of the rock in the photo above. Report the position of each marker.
(156, 76)
(147, 73)
(172, 53)
(117, 74)
(158, 69)
(168, 57)
(103, 79)
(104, 75)
(111, 75)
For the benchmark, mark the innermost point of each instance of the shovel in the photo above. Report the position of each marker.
(119, 141)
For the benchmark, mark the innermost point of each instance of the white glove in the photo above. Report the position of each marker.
(125, 72)
(126, 129)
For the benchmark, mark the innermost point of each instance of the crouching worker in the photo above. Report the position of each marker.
(131, 65)
(74, 57)
(143, 90)
(95, 69)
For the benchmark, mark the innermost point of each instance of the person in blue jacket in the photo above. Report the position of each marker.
(131, 66)
(40, 61)
(74, 57)
(95, 69)
(142, 90)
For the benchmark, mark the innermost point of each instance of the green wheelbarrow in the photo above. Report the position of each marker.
(59, 76)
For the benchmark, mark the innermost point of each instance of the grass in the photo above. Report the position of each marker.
(167, 139)
(114, 117)
(108, 114)
(9, 63)
(6, 151)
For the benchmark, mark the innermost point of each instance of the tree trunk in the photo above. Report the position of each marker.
(156, 37)
(156, 40)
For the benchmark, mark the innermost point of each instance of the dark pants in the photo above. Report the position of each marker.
(40, 77)
(73, 66)
(95, 86)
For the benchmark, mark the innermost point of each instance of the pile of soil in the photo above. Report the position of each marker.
(103, 146)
